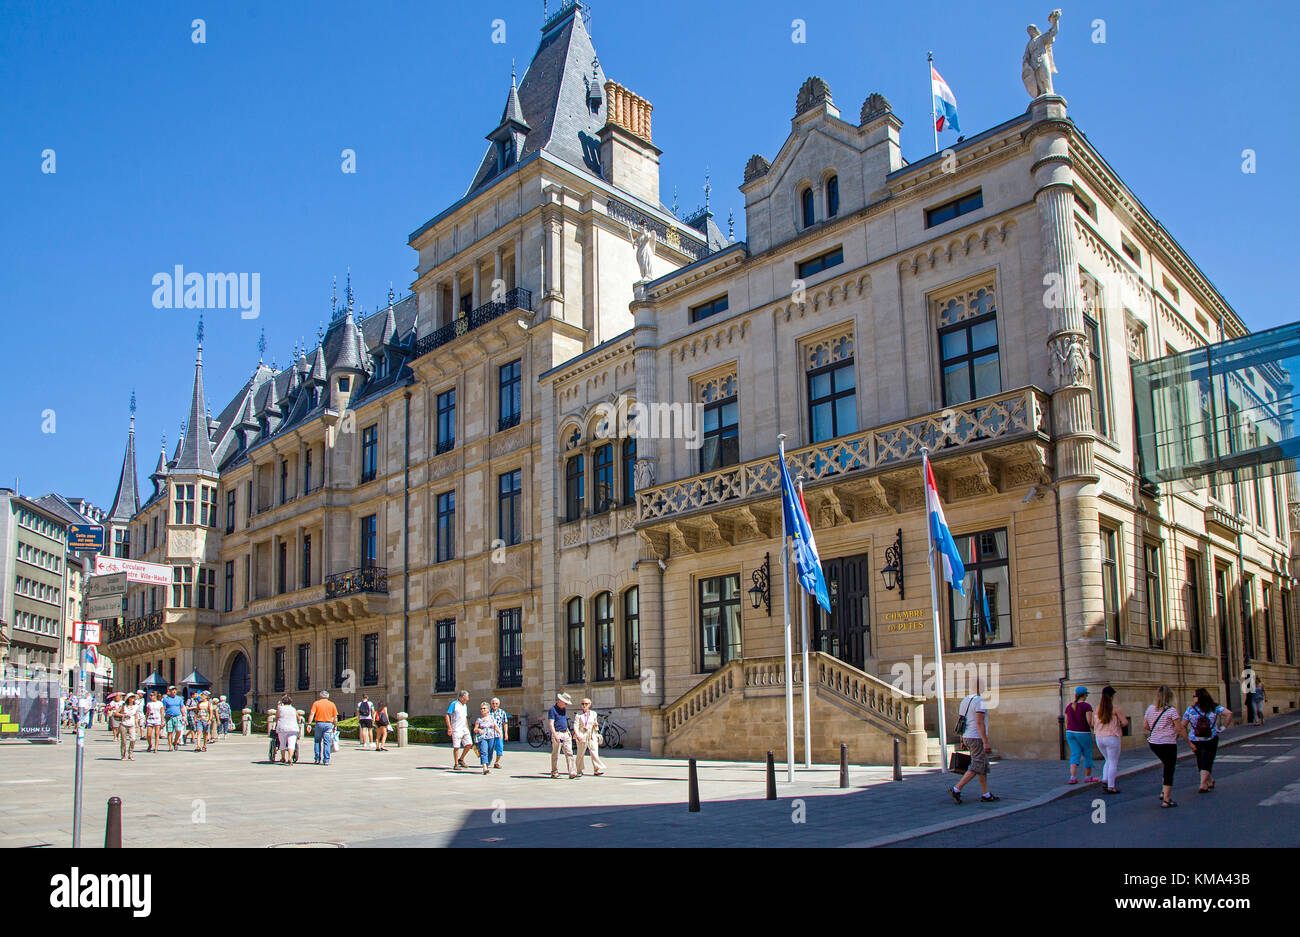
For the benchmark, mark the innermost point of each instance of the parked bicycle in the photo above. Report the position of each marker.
(611, 731)
(537, 735)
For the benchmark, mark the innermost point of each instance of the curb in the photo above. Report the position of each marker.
(1043, 799)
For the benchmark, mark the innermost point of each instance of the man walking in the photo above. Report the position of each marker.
(365, 719)
(174, 717)
(462, 742)
(223, 714)
(503, 723)
(324, 716)
(557, 723)
(974, 712)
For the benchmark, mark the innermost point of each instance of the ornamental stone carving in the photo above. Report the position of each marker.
(1069, 365)
(813, 93)
(826, 351)
(716, 388)
(876, 105)
(757, 166)
(645, 474)
(966, 304)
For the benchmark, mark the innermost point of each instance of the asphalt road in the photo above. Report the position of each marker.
(1256, 802)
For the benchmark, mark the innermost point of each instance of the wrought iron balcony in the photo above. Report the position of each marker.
(507, 422)
(517, 298)
(354, 581)
(621, 211)
(134, 627)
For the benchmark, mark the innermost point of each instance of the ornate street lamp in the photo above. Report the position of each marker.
(761, 590)
(893, 571)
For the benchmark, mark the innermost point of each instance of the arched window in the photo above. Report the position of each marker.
(577, 643)
(832, 196)
(604, 636)
(806, 200)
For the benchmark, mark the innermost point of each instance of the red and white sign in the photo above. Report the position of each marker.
(154, 574)
(87, 632)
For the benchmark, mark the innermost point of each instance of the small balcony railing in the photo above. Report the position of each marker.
(134, 627)
(372, 579)
(518, 298)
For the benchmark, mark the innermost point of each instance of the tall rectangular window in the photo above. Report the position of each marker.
(968, 352)
(370, 659)
(183, 504)
(369, 453)
(604, 610)
(369, 541)
(284, 480)
(446, 421)
(230, 511)
(1288, 639)
(832, 401)
(629, 470)
(340, 661)
(304, 666)
(1110, 582)
(1266, 600)
(577, 642)
(208, 517)
(1100, 411)
(510, 647)
(719, 621)
(229, 596)
(446, 535)
(510, 507)
(1155, 596)
(305, 580)
(306, 472)
(574, 481)
(721, 434)
(982, 617)
(445, 639)
(282, 568)
(248, 579)
(1195, 622)
(182, 587)
(603, 496)
(1248, 617)
(632, 634)
(249, 511)
(509, 394)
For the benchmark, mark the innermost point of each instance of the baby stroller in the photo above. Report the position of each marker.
(274, 747)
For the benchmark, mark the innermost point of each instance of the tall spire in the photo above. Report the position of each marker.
(196, 450)
(127, 500)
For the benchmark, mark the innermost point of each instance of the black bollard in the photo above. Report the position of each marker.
(113, 825)
(844, 765)
(694, 790)
(771, 775)
(898, 759)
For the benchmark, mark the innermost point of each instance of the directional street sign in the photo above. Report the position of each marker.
(87, 632)
(104, 606)
(154, 574)
(111, 584)
(88, 538)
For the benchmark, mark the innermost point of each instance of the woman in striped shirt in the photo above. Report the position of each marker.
(1163, 729)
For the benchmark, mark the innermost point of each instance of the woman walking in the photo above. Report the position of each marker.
(486, 732)
(202, 722)
(1163, 730)
(1202, 723)
(381, 728)
(129, 720)
(586, 727)
(153, 720)
(1259, 697)
(1108, 722)
(1078, 733)
(286, 729)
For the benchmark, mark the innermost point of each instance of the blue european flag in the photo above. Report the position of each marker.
(804, 548)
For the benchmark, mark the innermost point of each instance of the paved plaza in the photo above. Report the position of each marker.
(230, 796)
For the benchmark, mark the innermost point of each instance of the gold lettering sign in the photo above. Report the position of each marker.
(912, 619)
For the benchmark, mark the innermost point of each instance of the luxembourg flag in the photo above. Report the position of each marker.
(945, 104)
(954, 572)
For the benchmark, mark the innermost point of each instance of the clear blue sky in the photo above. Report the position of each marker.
(226, 157)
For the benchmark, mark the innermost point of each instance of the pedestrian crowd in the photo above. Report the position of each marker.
(198, 720)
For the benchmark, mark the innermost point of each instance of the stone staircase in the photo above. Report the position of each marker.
(738, 712)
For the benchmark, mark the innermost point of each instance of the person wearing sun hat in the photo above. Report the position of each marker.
(1078, 734)
(557, 723)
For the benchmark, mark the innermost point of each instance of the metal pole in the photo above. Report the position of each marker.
(934, 124)
(81, 746)
(934, 606)
(785, 588)
(807, 701)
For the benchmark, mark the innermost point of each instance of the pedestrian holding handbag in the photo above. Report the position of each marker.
(959, 762)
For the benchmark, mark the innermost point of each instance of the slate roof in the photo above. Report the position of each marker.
(552, 100)
(196, 448)
(127, 500)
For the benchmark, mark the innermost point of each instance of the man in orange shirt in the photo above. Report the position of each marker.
(324, 716)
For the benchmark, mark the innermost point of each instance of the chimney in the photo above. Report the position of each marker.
(628, 158)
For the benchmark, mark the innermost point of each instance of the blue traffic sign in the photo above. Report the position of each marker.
(87, 538)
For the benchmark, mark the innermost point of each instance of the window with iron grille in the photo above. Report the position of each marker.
(304, 666)
(510, 387)
(577, 633)
(280, 654)
(510, 647)
(340, 661)
(447, 421)
(445, 638)
(370, 659)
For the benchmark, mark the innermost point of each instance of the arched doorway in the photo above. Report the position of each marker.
(240, 683)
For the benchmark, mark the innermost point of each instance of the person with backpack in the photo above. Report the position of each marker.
(365, 720)
(1202, 723)
(382, 723)
(1163, 729)
(1078, 733)
(973, 730)
(1108, 723)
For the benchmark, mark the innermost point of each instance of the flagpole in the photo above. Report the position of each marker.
(807, 694)
(785, 588)
(934, 606)
(934, 117)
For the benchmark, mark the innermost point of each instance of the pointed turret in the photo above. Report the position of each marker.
(196, 449)
(127, 500)
(159, 476)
